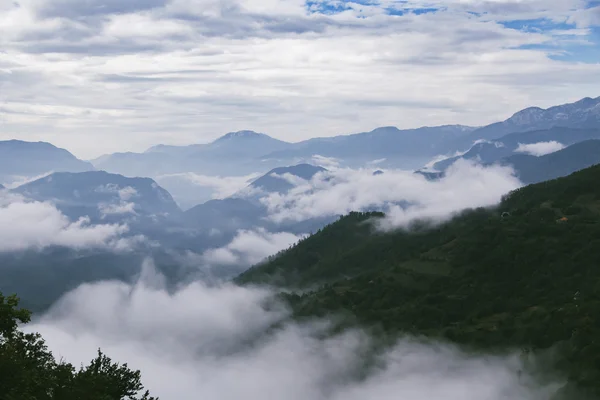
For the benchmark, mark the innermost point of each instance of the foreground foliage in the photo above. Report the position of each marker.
(525, 275)
(28, 371)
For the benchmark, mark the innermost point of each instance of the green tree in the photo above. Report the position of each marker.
(28, 370)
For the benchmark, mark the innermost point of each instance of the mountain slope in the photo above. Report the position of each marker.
(244, 209)
(523, 275)
(228, 214)
(584, 113)
(491, 151)
(101, 195)
(532, 169)
(28, 159)
(275, 181)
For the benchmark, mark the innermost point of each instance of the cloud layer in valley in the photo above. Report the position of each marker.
(191, 189)
(405, 195)
(249, 247)
(540, 149)
(28, 224)
(133, 74)
(196, 342)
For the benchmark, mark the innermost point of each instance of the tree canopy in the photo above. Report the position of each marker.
(29, 371)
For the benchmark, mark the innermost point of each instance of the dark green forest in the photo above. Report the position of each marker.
(28, 370)
(524, 275)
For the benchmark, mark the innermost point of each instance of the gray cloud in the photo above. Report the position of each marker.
(190, 70)
(217, 343)
(85, 8)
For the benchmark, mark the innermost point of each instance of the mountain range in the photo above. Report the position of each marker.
(242, 153)
(581, 114)
(522, 275)
(487, 152)
(170, 235)
(245, 152)
(148, 209)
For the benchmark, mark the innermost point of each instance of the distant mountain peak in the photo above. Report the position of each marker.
(385, 128)
(282, 179)
(242, 135)
(528, 115)
(580, 109)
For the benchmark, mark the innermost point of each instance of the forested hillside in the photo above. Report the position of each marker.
(524, 275)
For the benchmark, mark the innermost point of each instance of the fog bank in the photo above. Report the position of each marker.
(205, 342)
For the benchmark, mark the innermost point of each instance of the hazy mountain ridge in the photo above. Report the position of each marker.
(531, 169)
(234, 153)
(101, 195)
(384, 142)
(246, 151)
(582, 114)
(275, 181)
(27, 159)
(491, 151)
(244, 209)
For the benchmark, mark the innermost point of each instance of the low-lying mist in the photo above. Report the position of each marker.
(230, 342)
(403, 195)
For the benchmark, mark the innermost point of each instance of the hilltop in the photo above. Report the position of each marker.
(27, 159)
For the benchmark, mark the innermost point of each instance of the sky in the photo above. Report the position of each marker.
(99, 76)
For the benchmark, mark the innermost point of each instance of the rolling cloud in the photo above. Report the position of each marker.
(540, 149)
(36, 225)
(465, 185)
(250, 247)
(217, 343)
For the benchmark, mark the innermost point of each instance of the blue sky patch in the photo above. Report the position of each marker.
(331, 7)
(536, 25)
(587, 53)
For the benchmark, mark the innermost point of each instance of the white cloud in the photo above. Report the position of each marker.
(216, 343)
(250, 247)
(484, 141)
(325, 162)
(30, 224)
(212, 66)
(122, 196)
(117, 209)
(16, 181)
(540, 148)
(292, 179)
(127, 193)
(465, 185)
(429, 167)
(377, 162)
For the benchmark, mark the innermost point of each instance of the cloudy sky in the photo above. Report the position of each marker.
(97, 76)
